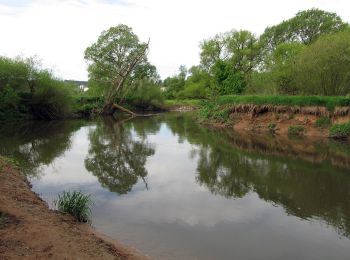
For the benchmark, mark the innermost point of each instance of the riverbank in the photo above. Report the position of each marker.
(282, 115)
(28, 228)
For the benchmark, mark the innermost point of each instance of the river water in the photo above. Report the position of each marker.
(177, 190)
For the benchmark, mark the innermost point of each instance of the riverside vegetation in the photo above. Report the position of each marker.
(303, 61)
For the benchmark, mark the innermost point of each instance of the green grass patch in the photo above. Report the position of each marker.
(325, 101)
(340, 130)
(323, 122)
(75, 203)
(13, 162)
(296, 130)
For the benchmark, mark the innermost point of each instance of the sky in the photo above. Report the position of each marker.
(58, 31)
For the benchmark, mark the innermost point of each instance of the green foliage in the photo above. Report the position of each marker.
(329, 102)
(175, 84)
(340, 130)
(146, 94)
(117, 61)
(197, 84)
(272, 127)
(305, 28)
(323, 122)
(226, 80)
(282, 67)
(26, 89)
(296, 130)
(323, 68)
(211, 111)
(261, 83)
(75, 203)
(53, 99)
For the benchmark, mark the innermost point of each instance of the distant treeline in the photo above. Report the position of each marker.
(308, 54)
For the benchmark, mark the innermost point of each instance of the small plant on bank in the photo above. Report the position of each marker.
(296, 130)
(75, 203)
(340, 130)
(323, 122)
(272, 127)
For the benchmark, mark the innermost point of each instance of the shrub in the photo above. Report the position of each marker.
(53, 98)
(323, 122)
(75, 203)
(340, 130)
(296, 130)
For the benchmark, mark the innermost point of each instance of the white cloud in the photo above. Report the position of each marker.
(60, 30)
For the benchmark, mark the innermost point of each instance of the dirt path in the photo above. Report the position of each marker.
(30, 230)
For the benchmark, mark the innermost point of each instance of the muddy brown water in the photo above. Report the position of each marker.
(177, 190)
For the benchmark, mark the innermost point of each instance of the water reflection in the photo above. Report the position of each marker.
(211, 194)
(35, 144)
(116, 157)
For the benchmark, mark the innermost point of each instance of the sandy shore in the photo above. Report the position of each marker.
(30, 230)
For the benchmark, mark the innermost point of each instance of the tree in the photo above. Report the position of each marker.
(114, 60)
(305, 28)
(323, 68)
(173, 85)
(230, 58)
(197, 84)
(283, 66)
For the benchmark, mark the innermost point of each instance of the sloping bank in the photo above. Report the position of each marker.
(30, 230)
(283, 115)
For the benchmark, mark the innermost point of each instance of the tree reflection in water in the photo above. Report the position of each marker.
(35, 144)
(116, 157)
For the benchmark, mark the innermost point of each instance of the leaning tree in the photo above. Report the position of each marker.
(113, 62)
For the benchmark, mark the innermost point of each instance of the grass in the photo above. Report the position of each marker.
(11, 161)
(329, 102)
(296, 130)
(340, 130)
(323, 122)
(75, 203)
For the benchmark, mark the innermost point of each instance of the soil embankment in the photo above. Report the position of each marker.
(30, 230)
(280, 119)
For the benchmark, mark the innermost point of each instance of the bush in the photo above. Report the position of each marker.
(146, 94)
(323, 122)
(53, 99)
(296, 130)
(75, 203)
(340, 130)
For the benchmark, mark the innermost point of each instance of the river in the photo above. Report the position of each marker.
(175, 189)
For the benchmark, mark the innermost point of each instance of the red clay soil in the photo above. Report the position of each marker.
(30, 230)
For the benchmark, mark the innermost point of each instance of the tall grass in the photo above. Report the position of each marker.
(326, 101)
(75, 203)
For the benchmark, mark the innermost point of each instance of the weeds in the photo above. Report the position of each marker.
(75, 203)
(323, 122)
(272, 127)
(296, 130)
(340, 130)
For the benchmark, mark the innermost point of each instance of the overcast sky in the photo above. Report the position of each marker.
(59, 30)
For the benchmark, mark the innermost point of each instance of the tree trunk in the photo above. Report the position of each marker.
(110, 108)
